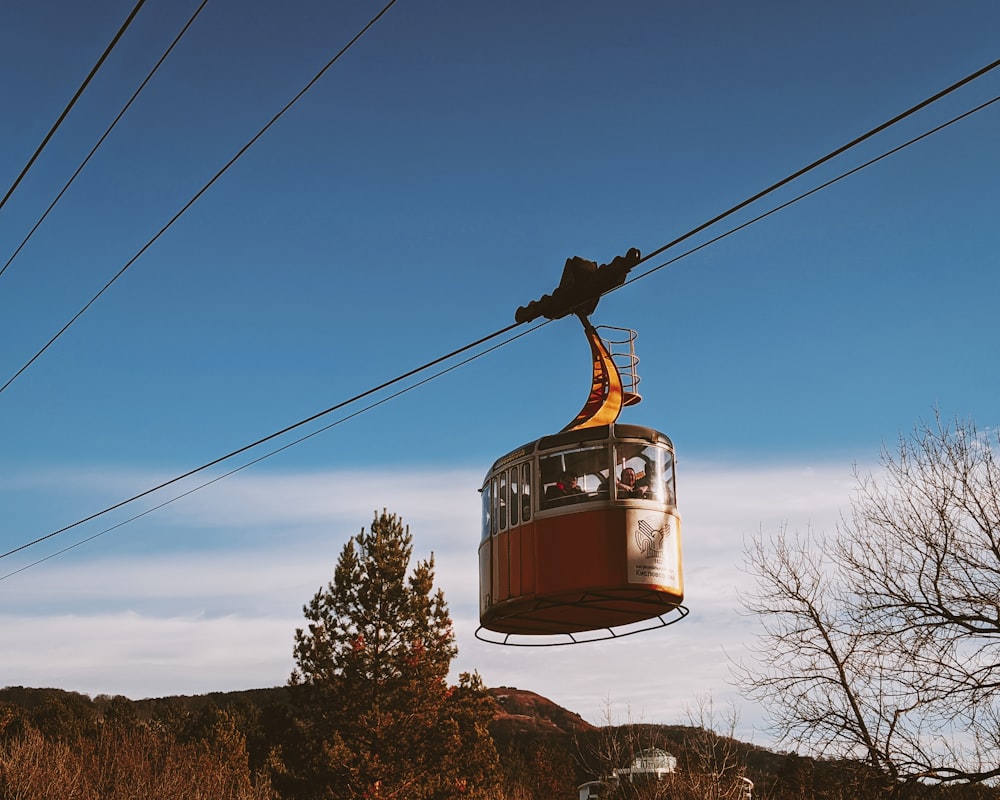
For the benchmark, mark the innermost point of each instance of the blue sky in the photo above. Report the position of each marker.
(433, 180)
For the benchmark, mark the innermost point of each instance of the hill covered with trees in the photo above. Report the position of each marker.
(230, 746)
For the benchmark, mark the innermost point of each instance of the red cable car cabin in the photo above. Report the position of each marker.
(581, 532)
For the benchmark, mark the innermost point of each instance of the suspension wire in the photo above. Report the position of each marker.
(271, 436)
(440, 373)
(833, 154)
(274, 452)
(100, 141)
(200, 192)
(954, 87)
(476, 343)
(83, 86)
(808, 193)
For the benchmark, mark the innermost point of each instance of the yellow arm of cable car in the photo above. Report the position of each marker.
(606, 398)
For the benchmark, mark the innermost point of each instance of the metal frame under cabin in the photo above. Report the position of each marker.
(553, 562)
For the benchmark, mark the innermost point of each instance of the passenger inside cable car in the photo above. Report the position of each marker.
(599, 549)
(586, 556)
(565, 490)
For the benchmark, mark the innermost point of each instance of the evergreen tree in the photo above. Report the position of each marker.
(374, 711)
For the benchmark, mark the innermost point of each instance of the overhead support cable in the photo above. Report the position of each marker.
(198, 195)
(104, 136)
(428, 365)
(583, 292)
(264, 457)
(804, 195)
(480, 341)
(83, 86)
(828, 157)
(270, 437)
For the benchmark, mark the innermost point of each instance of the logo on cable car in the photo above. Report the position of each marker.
(650, 540)
(654, 551)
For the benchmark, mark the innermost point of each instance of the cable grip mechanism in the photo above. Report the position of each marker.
(580, 288)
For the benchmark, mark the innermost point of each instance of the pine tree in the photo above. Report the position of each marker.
(376, 715)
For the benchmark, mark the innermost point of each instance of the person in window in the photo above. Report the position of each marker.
(563, 490)
(627, 486)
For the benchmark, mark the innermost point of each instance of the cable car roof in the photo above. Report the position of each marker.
(599, 433)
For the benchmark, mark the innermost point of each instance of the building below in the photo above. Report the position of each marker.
(648, 765)
(651, 763)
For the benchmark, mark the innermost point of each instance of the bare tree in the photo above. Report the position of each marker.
(613, 749)
(714, 766)
(708, 763)
(882, 642)
(123, 763)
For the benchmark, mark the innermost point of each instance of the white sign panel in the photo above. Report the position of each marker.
(654, 549)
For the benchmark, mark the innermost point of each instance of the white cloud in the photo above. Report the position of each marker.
(143, 656)
(189, 619)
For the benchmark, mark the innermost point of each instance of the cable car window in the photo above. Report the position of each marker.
(487, 510)
(503, 500)
(525, 492)
(515, 501)
(496, 507)
(669, 487)
(640, 471)
(574, 476)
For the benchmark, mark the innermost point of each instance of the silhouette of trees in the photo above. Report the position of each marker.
(537, 767)
(882, 643)
(119, 758)
(375, 715)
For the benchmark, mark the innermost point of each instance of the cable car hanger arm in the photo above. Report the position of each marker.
(580, 288)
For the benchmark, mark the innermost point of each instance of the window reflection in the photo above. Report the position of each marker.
(644, 472)
(487, 508)
(574, 476)
(669, 494)
(503, 500)
(496, 507)
(526, 492)
(515, 501)
(620, 469)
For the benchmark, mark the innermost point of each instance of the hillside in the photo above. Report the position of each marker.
(545, 750)
(521, 711)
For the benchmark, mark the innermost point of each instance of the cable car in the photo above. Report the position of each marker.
(580, 529)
